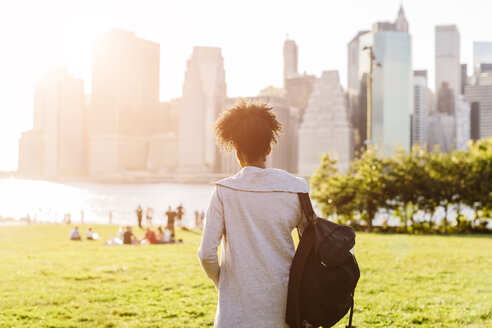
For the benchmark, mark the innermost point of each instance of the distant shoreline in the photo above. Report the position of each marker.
(136, 177)
(130, 179)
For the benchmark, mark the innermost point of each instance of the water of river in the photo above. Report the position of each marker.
(49, 202)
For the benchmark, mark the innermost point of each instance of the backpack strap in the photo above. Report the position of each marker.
(307, 208)
(351, 313)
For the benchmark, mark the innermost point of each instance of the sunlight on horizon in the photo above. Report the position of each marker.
(47, 200)
(77, 39)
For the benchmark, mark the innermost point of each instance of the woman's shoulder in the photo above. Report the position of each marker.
(265, 180)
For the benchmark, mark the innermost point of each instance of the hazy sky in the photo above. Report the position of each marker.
(35, 35)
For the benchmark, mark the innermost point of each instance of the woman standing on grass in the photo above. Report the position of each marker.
(253, 213)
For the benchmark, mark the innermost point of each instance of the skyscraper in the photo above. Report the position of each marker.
(204, 98)
(353, 51)
(420, 110)
(124, 101)
(401, 21)
(448, 69)
(163, 146)
(392, 88)
(290, 59)
(482, 54)
(446, 100)
(463, 115)
(326, 126)
(462, 123)
(475, 121)
(464, 78)
(479, 95)
(441, 131)
(448, 89)
(399, 25)
(356, 92)
(59, 128)
(31, 154)
(297, 91)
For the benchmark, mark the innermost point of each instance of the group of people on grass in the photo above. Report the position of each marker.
(160, 236)
(164, 235)
(89, 234)
(127, 237)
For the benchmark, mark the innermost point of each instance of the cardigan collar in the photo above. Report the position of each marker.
(252, 178)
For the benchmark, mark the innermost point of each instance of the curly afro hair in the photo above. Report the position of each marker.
(249, 128)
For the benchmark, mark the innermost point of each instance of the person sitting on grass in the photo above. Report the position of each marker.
(128, 237)
(163, 237)
(150, 236)
(168, 236)
(116, 240)
(75, 234)
(160, 236)
(89, 235)
(121, 231)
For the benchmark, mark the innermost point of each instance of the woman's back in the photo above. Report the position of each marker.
(255, 212)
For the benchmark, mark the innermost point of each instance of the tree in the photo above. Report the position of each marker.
(406, 183)
(367, 172)
(477, 188)
(405, 179)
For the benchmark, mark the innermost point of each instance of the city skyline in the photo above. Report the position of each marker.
(19, 68)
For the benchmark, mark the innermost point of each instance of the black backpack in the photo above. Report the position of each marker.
(323, 274)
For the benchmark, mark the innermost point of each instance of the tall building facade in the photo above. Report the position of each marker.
(168, 116)
(59, 128)
(463, 115)
(326, 126)
(464, 78)
(204, 98)
(392, 90)
(163, 152)
(124, 102)
(420, 109)
(392, 86)
(353, 51)
(163, 146)
(298, 89)
(448, 89)
(31, 154)
(356, 92)
(479, 95)
(290, 59)
(475, 121)
(441, 131)
(462, 123)
(482, 54)
(448, 69)
(401, 21)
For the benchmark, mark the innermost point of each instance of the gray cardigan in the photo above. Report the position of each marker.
(253, 213)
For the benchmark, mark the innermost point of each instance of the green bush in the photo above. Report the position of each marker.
(405, 184)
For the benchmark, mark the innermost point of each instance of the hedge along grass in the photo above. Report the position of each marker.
(48, 281)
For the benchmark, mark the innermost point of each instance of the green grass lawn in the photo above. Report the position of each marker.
(406, 281)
